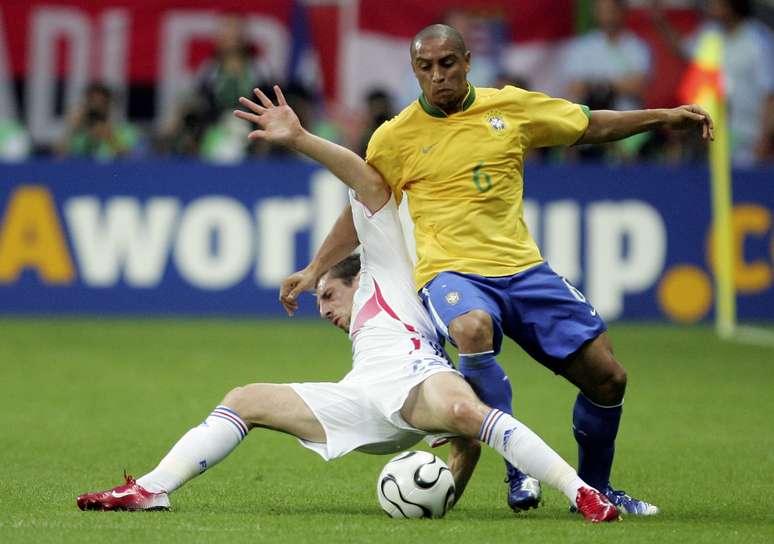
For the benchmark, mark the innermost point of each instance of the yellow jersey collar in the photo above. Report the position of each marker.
(438, 112)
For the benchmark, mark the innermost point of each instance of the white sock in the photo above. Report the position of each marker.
(199, 449)
(525, 450)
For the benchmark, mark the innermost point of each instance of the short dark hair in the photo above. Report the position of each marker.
(345, 270)
(440, 31)
(742, 8)
(97, 87)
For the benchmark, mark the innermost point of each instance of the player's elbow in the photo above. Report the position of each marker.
(374, 196)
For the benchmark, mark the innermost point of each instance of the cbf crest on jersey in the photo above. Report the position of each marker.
(495, 120)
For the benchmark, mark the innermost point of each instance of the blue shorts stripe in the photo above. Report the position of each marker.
(437, 321)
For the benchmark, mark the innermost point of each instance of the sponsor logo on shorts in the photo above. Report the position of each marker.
(420, 366)
(452, 298)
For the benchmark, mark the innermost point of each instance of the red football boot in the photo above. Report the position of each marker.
(129, 496)
(594, 506)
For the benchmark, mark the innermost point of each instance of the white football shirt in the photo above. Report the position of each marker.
(388, 319)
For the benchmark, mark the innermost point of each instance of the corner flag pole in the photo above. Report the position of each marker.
(703, 84)
(722, 203)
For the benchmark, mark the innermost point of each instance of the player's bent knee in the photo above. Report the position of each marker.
(612, 386)
(238, 400)
(464, 417)
(473, 330)
(618, 380)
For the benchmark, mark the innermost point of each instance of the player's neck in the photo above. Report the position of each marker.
(449, 110)
(454, 106)
(614, 34)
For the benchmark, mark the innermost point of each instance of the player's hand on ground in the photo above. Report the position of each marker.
(293, 286)
(690, 117)
(277, 124)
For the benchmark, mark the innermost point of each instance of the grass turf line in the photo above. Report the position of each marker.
(84, 399)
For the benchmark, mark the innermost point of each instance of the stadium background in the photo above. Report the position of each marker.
(158, 239)
(148, 235)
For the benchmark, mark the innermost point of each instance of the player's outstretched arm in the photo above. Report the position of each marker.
(339, 244)
(463, 457)
(607, 126)
(280, 125)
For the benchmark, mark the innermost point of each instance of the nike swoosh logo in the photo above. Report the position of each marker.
(122, 494)
(593, 311)
(427, 149)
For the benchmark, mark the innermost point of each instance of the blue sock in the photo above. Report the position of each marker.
(595, 428)
(490, 383)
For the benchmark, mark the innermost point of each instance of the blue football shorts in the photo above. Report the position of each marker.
(540, 310)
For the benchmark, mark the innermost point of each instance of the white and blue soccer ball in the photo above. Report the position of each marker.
(415, 484)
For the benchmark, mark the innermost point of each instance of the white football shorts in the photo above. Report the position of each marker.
(362, 411)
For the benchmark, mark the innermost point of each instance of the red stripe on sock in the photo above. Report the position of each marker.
(238, 422)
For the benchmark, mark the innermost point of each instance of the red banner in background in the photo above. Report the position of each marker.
(525, 21)
(55, 48)
(344, 48)
(140, 27)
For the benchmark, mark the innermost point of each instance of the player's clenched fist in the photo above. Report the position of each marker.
(293, 286)
(691, 116)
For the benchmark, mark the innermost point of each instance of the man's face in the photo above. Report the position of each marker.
(719, 10)
(230, 34)
(335, 300)
(441, 72)
(609, 15)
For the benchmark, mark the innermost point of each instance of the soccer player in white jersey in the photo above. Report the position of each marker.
(401, 387)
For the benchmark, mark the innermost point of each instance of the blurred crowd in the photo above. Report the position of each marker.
(608, 67)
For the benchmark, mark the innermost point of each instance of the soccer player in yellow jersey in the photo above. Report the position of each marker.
(458, 154)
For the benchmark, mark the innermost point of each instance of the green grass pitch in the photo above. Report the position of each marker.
(82, 400)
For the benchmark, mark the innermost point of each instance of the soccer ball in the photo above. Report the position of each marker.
(415, 484)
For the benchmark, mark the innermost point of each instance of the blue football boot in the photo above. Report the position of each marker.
(523, 491)
(628, 504)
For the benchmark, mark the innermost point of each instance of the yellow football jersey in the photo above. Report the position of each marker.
(464, 175)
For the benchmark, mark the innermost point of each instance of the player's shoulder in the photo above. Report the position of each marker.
(410, 114)
(506, 97)
(507, 91)
(588, 41)
(402, 127)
